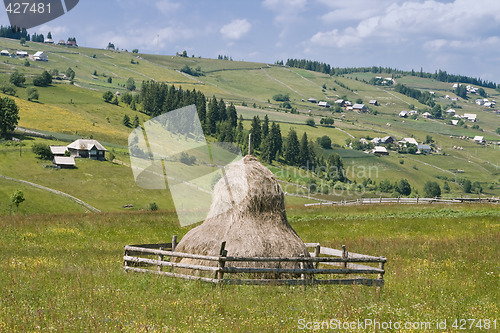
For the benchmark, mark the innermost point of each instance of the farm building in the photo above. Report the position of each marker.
(427, 115)
(378, 150)
(340, 102)
(387, 139)
(324, 104)
(472, 117)
(22, 54)
(403, 114)
(450, 112)
(312, 100)
(71, 43)
(49, 41)
(85, 148)
(373, 102)
(58, 150)
(479, 139)
(64, 162)
(40, 56)
(61, 42)
(347, 103)
(359, 107)
(424, 149)
(411, 141)
(5, 53)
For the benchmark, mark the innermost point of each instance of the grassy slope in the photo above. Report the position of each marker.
(64, 273)
(78, 111)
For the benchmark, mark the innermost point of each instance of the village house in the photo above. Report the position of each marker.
(21, 54)
(86, 148)
(424, 149)
(472, 117)
(324, 104)
(5, 53)
(408, 141)
(479, 139)
(40, 56)
(64, 162)
(49, 41)
(373, 102)
(378, 150)
(359, 107)
(403, 114)
(312, 100)
(427, 115)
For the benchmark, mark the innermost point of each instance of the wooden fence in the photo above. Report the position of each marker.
(417, 200)
(322, 267)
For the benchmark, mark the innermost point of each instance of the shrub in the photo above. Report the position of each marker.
(152, 206)
(32, 93)
(281, 97)
(8, 89)
(310, 122)
(432, 189)
(42, 151)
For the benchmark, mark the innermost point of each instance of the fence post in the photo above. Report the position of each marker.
(174, 245)
(174, 242)
(160, 258)
(345, 255)
(417, 198)
(219, 275)
(317, 252)
(302, 275)
(125, 264)
(380, 200)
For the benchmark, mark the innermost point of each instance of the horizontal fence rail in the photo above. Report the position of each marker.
(226, 271)
(374, 201)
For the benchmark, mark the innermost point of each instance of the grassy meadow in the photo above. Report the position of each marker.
(63, 273)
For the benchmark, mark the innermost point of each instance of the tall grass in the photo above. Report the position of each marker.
(63, 273)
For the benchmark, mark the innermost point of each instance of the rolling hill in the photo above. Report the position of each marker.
(70, 110)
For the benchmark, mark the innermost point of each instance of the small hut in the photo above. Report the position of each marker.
(250, 217)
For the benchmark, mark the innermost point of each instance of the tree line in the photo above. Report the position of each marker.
(221, 121)
(438, 75)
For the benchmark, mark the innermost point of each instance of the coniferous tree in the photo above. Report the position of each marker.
(292, 148)
(256, 132)
(212, 116)
(232, 116)
(265, 126)
(135, 123)
(222, 110)
(126, 120)
(304, 152)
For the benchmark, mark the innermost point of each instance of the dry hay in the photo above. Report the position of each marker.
(250, 216)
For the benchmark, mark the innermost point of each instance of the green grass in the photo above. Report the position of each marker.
(63, 273)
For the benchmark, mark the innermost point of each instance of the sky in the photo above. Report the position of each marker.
(459, 36)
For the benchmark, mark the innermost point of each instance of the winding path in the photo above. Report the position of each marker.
(41, 187)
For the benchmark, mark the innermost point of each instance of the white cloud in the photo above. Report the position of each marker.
(288, 13)
(57, 31)
(415, 19)
(167, 6)
(235, 29)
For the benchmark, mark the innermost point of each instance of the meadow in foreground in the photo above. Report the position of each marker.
(63, 273)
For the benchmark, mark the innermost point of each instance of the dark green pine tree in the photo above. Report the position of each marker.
(240, 134)
(135, 123)
(265, 126)
(304, 152)
(277, 139)
(126, 120)
(292, 148)
(212, 116)
(201, 106)
(267, 149)
(232, 116)
(335, 168)
(256, 132)
(222, 110)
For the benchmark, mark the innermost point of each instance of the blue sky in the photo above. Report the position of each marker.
(459, 36)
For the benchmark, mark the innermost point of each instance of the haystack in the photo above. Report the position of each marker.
(248, 213)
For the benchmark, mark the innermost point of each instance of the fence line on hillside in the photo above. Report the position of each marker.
(227, 270)
(417, 200)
